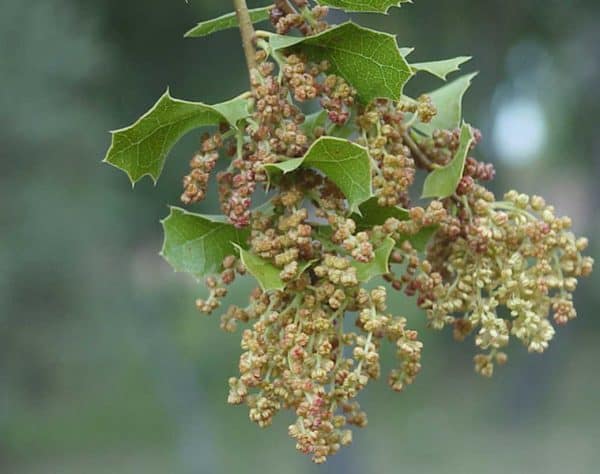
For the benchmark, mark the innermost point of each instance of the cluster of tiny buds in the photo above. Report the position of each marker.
(309, 81)
(383, 132)
(423, 108)
(514, 254)
(218, 286)
(294, 358)
(492, 269)
(357, 244)
(474, 171)
(301, 16)
(202, 164)
(294, 354)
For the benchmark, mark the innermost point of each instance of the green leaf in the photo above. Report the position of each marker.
(369, 60)
(346, 164)
(405, 52)
(225, 22)
(420, 240)
(313, 121)
(377, 6)
(142, 148)
(198, 244)
(442, 182)
(372, 214)
(323, 233)
(380, 263)
(448, 101)
(233, 110)
(265, 273)
(441, 68)
(287, 166)
(303, 266)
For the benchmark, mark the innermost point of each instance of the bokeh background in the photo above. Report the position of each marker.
(105, 366)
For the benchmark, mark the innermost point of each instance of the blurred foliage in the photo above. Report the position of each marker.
(104, 364)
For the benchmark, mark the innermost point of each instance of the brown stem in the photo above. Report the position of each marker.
(420, 158)
(284, 6)
(247, 31)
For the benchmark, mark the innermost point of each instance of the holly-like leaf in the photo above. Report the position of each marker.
(380, 263)
(346, 164)
(442, 182)
(142, 148)
(198, 244)
(233, 110)
(372, 214)
(369, 60)
(376, 6)
(448, 102)
(441, 68)
(226, 22)
(265, 272)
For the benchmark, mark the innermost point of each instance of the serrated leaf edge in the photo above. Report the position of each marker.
(165, 95)
(417, 67)
(298, 162)
(294, 41)
(385, 12)
(210, 218)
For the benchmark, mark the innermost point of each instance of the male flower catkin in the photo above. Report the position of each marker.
(338, 229)
(514, 254)
(495, 269)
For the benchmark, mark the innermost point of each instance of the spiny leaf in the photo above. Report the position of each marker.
(369, 60)
(345, 163)
(448, 101)
(405, 52)
(441, 68)
(377, 6)
(265, 273)
(142, 148)
(379, 265)
(234, 109)
(442, 182)
(198, 244)
(372, 214)
(225, 22)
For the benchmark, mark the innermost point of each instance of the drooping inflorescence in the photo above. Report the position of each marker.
(317, 170)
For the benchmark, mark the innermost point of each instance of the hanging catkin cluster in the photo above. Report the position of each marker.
(317, 188)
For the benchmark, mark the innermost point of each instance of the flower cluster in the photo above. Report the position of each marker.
(300, 355)
(299, 15)
(394, 169)
(329, 144)
(201, 165)
(500, 269)
(494, 269)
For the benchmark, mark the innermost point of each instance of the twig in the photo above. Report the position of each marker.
(420, 157)
(247, 31)
(285, 7)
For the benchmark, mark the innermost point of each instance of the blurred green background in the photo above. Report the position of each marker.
(106, 367)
